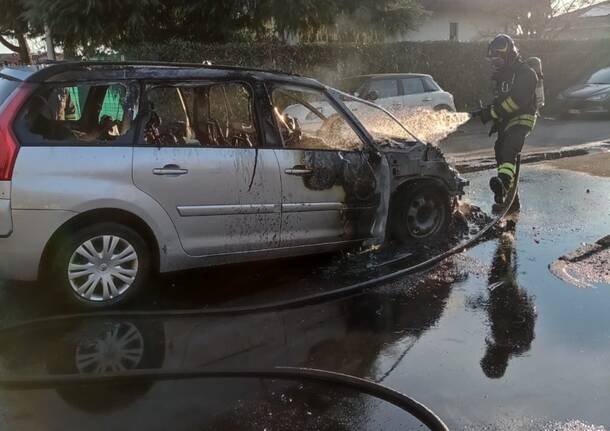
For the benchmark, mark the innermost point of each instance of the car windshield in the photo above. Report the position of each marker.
(382, 125)
(600, 77)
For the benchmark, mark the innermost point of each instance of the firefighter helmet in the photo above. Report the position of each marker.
(502, 52)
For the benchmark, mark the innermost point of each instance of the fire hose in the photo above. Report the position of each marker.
(411, 406)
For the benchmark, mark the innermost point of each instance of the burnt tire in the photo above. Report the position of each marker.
(420, 214)
(101, 265)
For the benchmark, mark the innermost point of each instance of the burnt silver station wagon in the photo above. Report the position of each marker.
(110, 172)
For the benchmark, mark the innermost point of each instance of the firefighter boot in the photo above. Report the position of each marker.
(500, 186)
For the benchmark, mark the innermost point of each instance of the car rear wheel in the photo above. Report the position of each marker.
(102, 265)
(421, 214)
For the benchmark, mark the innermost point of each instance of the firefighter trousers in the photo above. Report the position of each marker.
(508, 146)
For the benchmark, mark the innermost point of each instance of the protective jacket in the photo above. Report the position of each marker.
(514, 98)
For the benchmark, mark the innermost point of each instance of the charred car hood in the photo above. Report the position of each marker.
(584, 91)
(420, 160)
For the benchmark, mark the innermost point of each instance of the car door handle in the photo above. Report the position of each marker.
(171, 170)
(427, 99)
(299, 171)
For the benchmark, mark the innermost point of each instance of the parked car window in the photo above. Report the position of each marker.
(412, 86)
(384, 87)
(352, 85)
(600, 77)
(430, 86)
(307, 120)
(78, 114)
(212, 115)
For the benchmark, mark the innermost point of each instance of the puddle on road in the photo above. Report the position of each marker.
(484, 339)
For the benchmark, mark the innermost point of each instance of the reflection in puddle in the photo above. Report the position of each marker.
(511, 311)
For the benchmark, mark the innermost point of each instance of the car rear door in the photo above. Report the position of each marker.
(328, 185)
(197, 156)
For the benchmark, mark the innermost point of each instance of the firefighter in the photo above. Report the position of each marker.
(513, 111)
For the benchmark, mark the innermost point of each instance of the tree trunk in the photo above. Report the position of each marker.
(25, 56)
(8, 45)
(69, 50)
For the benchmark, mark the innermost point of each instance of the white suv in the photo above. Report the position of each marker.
(399, 91)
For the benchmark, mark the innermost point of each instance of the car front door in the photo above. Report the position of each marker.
(415, 94)
(197, 156)
(387, 93)
(329, 188)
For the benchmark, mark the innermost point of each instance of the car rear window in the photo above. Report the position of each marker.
(81, 114)
(7, 86)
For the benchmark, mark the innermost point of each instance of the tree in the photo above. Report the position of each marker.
(14, 29)
(90, 24)
(344, 20)
(533, 16)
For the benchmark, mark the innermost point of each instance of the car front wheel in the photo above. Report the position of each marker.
(102, 265)
(421, 214)
(444, 108)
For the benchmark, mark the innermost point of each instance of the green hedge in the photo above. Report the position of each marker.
(458, 67)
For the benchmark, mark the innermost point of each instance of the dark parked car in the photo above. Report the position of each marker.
(592, 96)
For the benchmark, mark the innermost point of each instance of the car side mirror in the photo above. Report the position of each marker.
(372, 96)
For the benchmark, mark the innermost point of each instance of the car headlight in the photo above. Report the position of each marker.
(599, 97)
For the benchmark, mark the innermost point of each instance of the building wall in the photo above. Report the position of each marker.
(580, 28)
(472, 26)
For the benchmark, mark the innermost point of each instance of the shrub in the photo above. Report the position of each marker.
(459, 68)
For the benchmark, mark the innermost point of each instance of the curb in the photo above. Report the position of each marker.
(483, 164)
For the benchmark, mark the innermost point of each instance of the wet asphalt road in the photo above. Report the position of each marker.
(489, 339)
(472, 140)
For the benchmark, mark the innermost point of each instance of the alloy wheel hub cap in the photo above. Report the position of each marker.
(103, 268)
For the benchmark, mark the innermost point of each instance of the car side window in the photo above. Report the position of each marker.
(169, 121)
(79, 114)
(412, 86)
(430, 86)
(231, 113)
(217, 115)
(308, 120)
(384, 88)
